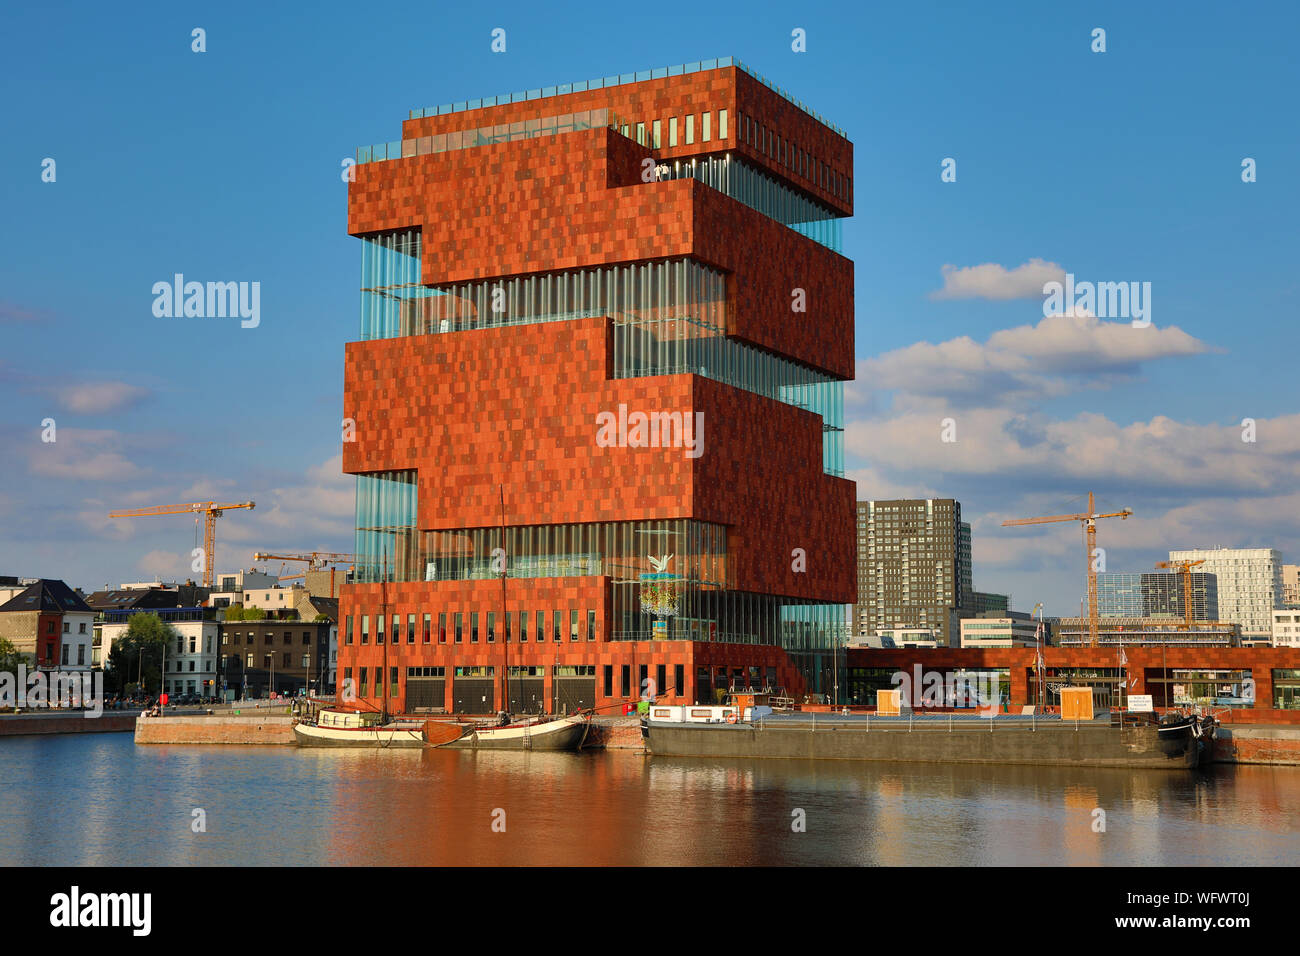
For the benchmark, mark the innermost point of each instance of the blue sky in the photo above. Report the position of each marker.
(1115, 166)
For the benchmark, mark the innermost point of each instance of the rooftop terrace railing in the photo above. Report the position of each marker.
(487, 135)
(621, 79)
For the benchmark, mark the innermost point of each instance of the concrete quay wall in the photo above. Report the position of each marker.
(1257, 744)
(19, 725)
(224, 729)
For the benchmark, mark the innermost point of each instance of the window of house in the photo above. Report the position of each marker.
(609, 680)
(442, 628)
(491, 627)
(365, 629)
(573, 625)
(523, 627)
(654, 134)
(556, 620)
(473, 627)
(706, 122)
(460, 626)
(379, 628)
(722, 124)
(410, 628)
(591, 625)
(424, 633)
(679, 679)
(690, 129)
(672, 131)
(626, 680)
(347, 630)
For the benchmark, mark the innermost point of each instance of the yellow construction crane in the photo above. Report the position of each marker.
(211, 510)
(315, 560)
(1089, 520)
(1185, 569)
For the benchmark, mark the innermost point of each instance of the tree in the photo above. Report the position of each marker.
(10, 658)
(138, 654)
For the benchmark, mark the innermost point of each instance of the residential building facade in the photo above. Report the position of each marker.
(50, 624)
(1249, 585)
(285, 656)
(912, 565)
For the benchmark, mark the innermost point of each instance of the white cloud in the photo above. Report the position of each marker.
(99, 397)
(81, 455)
(1059, 355)
(993, 281)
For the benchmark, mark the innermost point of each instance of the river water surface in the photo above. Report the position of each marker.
(98, 799)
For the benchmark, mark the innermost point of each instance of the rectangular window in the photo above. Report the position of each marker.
(379, 628)
(690, 129)
(661, 679)
(392, 682)
(81, 653)
(363, 691)
(286, 657)
(442, 628)
(250, 660)
(473, 627)
(410, 629)
(640, 133)
(722, 124)
(654, 134)
(460, 626)
(609, 680)
(424, 631)
(510, 631)
(556, 624)
(626, 681)
(573, 625)
(523, 627)
(679, 679)
(67, 627)
(672, 131)
(643, 676)
(492, 627)
(591, 625)
(225, 637)
(397, 628)
(66, 648)
(541, 627)
(347, 630)
(705, 127)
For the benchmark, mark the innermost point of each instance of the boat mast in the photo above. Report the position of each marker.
(505, 619)
(383, 618)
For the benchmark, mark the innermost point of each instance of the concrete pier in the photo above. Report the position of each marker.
(274, 729)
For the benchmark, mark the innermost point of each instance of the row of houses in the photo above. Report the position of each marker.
(288, 646)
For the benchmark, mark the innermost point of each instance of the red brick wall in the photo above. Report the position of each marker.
(578, 200)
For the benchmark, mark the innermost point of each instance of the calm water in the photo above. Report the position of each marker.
(98, 799)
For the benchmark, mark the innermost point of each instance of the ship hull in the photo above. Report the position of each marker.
(566, 733)
(309, 735)
(1085, 744)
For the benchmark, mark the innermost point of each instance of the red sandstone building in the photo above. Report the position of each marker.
(605, 329)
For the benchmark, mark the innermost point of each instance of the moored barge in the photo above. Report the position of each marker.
(1108, 740)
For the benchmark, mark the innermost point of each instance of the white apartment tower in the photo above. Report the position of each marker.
(1250, 585)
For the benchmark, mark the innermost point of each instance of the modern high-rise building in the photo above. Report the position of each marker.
(1249, 582)
(1156, 594)
(913, 562)
(1291, 585)
(605, 327)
